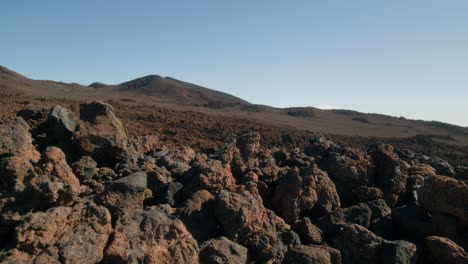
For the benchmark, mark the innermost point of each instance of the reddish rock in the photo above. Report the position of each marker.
(222, 251)
(348, 168)
(151, 236)
(211, 175)
(421, 169)
(61, 235)
(445, 195)
(197, 213)
(300, 191)
(244, 220)
(100, 133)
(444, 250)
(249, 145)
(365, 193)
(55, 181)
(312, 254)
(125, 194)
(15, 140)
(390, 173)
(309, 233)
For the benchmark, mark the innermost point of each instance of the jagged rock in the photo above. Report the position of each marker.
(348, 168)
(358, 245)
(151, 236)
(36, 116)
(14, 170)
(399, 251)
(365, 193)
(300, 191)
(249, 145)
(15, 140)
(211, 175)
(244, 220)
(222, 250)
(308, 233)
(177, 160)
(379, 209)
(61, 235)
(422, 169)
(125, 194)
(100, 133)
(312, 254)
(442, 167)
(198, 215)
(85, 169)
(390, 173)
(415, 224)
(445, 195)
(443, 250)
(56, 183)
(170, 193)
(356, 214)
(61, 123)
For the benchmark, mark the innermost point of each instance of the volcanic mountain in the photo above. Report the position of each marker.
(153, 87)
(173, 90)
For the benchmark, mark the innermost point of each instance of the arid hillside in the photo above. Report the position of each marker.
(167, 93)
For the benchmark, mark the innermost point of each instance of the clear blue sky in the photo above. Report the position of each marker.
(404, 58)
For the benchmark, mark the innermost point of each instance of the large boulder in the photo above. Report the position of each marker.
(55, 181)
(359, 245)
(390, 173)
(399, 251)
(312, 254)
(76, 234)
(249, 145)
(308, 232)
(15, 140)
(125, 194)
(243, 219)
(415, 223)
(198, 215)
(210, 175)
(302, 190)
(445, 195)
(222, 251)
(151, 236)
(443, 250)
(100, 133)
(61, 123)
(347, 167)
(357, 214)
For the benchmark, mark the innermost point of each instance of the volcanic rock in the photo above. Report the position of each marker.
(312, 254)
(150, 236)
(198, 215)
(244, 220)
(309, 233)
(300, 191)
(390, 173)
(443, 250)
(222, 250)
(445, 195)
(61, 235)
(100, 133)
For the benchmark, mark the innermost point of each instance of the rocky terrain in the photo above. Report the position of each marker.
(80, 185)
(152, 96)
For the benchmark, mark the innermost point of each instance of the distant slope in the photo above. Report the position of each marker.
(155, 87)
(154, 90)
(173, 90)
